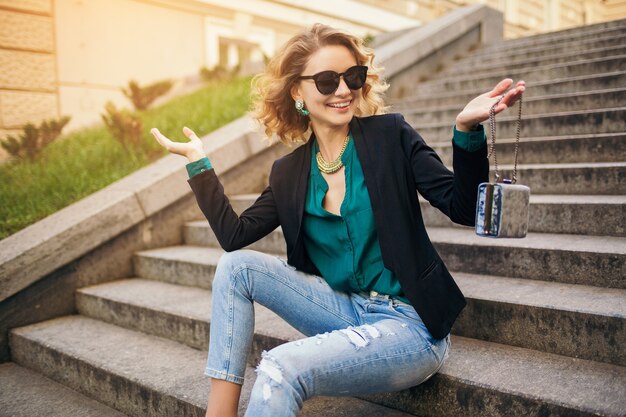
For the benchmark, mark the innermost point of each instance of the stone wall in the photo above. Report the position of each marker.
(28, 77)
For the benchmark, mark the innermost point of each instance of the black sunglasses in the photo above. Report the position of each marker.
(327, 82)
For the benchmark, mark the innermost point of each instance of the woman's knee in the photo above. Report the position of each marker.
(227, 267)
(232, 268)
(276, 373)
(230, 261)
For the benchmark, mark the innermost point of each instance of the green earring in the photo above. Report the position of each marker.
(300, 108)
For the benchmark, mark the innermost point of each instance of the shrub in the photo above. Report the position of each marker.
(218, 73)
(88, 159)
(33, 139)
(125, 126)
(142, 97)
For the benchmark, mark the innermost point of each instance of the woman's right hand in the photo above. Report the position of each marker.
(192, 150)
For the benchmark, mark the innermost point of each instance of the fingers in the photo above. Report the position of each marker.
(508, 98)
(190, 133)
(165, 142)
(501, 87)
(514, 94)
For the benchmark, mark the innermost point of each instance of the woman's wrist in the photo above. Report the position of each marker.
(194, 156)
(464, 124)
(462, 127)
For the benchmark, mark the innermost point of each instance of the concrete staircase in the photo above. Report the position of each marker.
(545, 327)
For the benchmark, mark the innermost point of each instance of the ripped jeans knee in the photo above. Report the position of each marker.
(273, 393)
(272, 372)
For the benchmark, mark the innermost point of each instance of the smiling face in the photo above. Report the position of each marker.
(337, 58)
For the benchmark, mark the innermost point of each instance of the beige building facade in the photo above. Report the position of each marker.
(68, 57)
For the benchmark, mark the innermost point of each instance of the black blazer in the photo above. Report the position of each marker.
(396, 162)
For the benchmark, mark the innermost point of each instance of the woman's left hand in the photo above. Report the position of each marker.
(477, 110)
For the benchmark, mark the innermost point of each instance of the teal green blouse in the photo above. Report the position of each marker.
(345, 247)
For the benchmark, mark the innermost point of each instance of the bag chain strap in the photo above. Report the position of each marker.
(492, 147)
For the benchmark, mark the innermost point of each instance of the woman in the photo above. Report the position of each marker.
(361, 280)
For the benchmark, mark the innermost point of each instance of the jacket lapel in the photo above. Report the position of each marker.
(365, 150)
(304, 165)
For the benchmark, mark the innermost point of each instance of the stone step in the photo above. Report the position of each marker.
(572, 259)
(564, 102)
(484, 57)
(199, 234)
(572, 320)
(566, 258)
(459, 98)
(26, 393)
(177, 312)
(600, 147)
(614, 27)
(478, 67)
(142, 375)
(489, 379)
(593, 121)
(601, 215)
(478, 378)
(183, 265)
(598, 178)
(585, 67)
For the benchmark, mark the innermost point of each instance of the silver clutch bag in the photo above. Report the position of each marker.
(502, 210)
(502, 206)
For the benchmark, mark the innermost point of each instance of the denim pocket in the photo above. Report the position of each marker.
(409, 312)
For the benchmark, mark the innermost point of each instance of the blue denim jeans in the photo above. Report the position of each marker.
(357, 343)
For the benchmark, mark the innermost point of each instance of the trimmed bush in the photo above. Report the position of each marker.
(143, 97)
(124, 126)
(30, 143)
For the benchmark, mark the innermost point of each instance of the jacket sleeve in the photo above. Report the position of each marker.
(232, 231)
(454, 193)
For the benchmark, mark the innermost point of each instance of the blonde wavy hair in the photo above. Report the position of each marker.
(272, 105)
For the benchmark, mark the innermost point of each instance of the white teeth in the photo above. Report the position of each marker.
(340, 105)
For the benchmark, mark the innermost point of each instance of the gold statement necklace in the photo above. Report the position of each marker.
(334, 166)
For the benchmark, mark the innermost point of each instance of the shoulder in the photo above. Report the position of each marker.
(380, 120)
(292, 157)
(386, 130)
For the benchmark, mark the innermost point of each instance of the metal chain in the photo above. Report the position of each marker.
(519, 126)
(492, 147)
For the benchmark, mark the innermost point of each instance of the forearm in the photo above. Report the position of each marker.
(454, 193)
(470, 169)
(233, 231)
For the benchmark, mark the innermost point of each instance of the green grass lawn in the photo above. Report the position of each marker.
(86, 161)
